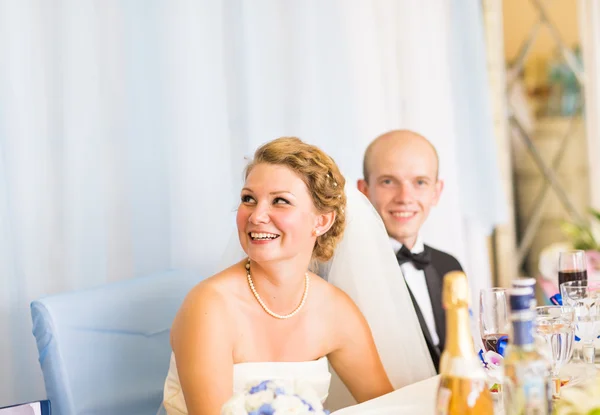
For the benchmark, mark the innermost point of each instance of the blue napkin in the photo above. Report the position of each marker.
(556, 299)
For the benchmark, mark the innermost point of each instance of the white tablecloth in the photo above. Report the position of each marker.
(416, 399)
(420, 398)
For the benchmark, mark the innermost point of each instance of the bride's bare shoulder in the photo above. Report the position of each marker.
(219, 285)
(210, 297)
(336, 298)
(343, 317)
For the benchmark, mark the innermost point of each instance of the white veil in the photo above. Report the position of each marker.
(365, 267)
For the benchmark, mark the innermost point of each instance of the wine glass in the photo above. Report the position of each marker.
(571, 267)
(494, 322)
(555, 324)
(584, 298)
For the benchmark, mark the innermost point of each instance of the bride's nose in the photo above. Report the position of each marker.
(259, 215)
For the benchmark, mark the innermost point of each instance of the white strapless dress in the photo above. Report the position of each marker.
(315, 373)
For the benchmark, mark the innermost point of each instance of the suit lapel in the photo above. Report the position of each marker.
(434, 351)
(434, 286)
(422, 322)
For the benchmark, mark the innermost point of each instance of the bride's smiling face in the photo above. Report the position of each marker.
(276, 216)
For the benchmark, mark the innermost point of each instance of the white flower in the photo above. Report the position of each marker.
(492, 363)
(284, 397)
(309, 395)
(235, 405)
(256, 400)
(289, 405)
(492, 360)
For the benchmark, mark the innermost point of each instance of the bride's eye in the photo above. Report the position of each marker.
(280, 201)
(247, 199)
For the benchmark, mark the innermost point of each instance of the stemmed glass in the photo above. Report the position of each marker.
(555, 324)
(584, 298)
(571, 266)
(494, 323)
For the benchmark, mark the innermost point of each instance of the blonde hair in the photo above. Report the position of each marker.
(322, 177)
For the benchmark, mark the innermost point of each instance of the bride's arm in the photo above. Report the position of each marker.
(202, 343)
(355, 358)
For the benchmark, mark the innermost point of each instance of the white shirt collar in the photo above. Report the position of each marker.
(418, 248)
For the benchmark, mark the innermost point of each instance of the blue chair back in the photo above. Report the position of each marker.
(106, 350)
(32, 408)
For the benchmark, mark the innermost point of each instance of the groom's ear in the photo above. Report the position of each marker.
(324, 222)
(363, 187)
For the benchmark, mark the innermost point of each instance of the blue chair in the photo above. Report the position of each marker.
(32, 408)
(106, 350)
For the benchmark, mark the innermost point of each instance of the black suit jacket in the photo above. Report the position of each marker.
(441, 264)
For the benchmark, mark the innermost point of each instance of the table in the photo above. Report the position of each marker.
(420, 398)
(416, 399)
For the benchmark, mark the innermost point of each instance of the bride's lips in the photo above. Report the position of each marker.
(262, 238)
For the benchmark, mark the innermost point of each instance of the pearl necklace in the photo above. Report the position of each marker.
(262, 303)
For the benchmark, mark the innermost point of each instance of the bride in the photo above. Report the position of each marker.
(268, 317)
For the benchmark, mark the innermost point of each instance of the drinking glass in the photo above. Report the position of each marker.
(555, 324)
(571, 266)
(584, 298)
(494, 322)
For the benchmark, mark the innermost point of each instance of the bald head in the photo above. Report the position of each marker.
(397, 140)
(401, 181)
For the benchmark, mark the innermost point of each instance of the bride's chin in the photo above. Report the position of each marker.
(257, 255)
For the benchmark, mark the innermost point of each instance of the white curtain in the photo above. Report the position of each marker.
(124, 126)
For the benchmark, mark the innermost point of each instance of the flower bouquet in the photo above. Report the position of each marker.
(274, 397)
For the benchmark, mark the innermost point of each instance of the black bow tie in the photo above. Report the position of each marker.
(420, 260)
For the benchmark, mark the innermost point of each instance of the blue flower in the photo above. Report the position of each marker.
(310, 408)
(280, 391)
(265, 409)
(262, 386)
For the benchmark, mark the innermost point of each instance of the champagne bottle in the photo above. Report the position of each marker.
(463, 388)
(527, 386)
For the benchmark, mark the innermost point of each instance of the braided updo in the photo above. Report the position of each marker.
(322, 177)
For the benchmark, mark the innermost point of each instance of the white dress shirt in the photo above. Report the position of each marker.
(415, 279)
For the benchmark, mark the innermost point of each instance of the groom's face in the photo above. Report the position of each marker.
(402, 184)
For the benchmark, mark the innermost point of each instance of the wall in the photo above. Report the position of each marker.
(521, 15)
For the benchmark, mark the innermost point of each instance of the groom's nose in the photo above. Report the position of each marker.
(403, 193)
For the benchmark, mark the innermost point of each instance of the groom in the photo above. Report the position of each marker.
(400, 171)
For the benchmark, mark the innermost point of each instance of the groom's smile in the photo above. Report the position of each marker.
(403, 216)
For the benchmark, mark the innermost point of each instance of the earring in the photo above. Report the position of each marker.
(316, 232)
